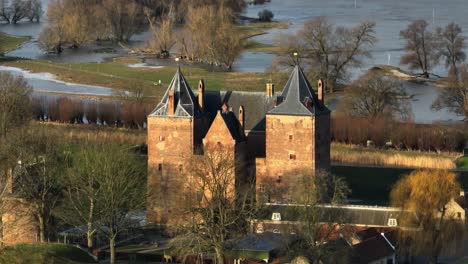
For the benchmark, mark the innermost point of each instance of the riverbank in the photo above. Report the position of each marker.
(9, 42)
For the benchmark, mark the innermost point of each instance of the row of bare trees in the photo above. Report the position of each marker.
(21, 9)
(130, 114)
(406, 136)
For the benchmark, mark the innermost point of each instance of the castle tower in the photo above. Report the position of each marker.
(175, 132)
(297, 136)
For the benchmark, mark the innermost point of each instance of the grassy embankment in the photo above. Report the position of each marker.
(9, 43)
(116, 74)
(259, 28)
(44, 253)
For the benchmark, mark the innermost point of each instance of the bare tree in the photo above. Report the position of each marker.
(121, 183)
(210, 37)
(421, 47)
(455, 95)
(37, 180)
(327, 49)
(81, 188)
(427, 194)
(452, 45)
(376, 95)
(34, 10)
(215, 206)
(15, 108)
(122, 18)
(162, 39)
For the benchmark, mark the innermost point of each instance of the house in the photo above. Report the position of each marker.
(271, 135)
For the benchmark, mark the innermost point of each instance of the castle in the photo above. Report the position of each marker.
(272, 134)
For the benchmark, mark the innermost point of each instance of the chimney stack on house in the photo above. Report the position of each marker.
(321, 91)
(171, 103)
(201, 94)
(242, 119)
(270, 89)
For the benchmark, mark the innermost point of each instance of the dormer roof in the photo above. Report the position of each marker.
(185, 102)
(298, 97)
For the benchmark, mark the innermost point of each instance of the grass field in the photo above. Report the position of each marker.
(9, 43)
(44, 253)
(116, 74)
(372, 185)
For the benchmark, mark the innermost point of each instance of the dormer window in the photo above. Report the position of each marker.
(392, 222)
(276, 217)
(162, 138)
(290, 137)
(292, 156)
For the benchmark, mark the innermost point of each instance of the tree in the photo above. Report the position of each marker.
(310, 192)
(421, 47)
(452, 45)
(15, 108)
(427, 193)
(121, 182)
(209, 36)
(327, 49)
(37, 180)
(122, 17)
(215, 205)
(162, 34)
(82, 189)
(265, 15)
(34, 10)
(376, 95)
(455, 95)
(52, 36)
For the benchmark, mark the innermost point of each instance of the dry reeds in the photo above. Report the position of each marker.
(359, 155)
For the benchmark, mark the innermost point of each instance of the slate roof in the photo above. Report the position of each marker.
(348, 214)
(256, 105)
(372, 249)
(296, 93)
(233, 125)
(186, 104)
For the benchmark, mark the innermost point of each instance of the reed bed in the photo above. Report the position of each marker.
(352, 154)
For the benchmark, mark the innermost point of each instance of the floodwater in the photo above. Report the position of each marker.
(391, 16)
(46, 82)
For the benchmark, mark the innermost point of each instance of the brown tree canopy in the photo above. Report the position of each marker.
(327, 49)
(376, 95)
(421, 47)
(427, 194)
(455, 95)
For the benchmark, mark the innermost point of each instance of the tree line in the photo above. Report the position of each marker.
(125, 113)
(208, 34)
(21, 9)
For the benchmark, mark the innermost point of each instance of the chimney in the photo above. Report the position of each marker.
(242, 119)
(171, 103)
(270, 89)
(201, 94)
(321, 91)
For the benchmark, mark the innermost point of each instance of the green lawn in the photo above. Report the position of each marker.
(9, 43)
(44, 253)
(462, 163)
(372, 185)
